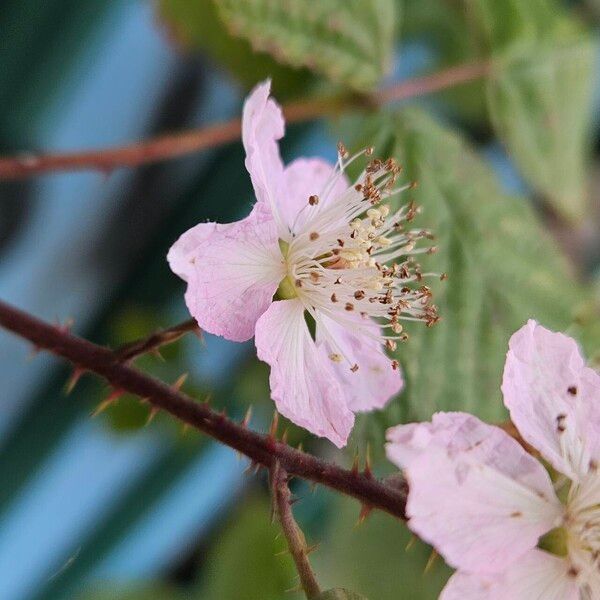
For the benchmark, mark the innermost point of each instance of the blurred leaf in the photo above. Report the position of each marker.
(503, 269)
(247, 562)
(539, 93)
(380, 558)
(339, 594)
(148, 591)
(195, 24)
(349, 41)
(452, 44)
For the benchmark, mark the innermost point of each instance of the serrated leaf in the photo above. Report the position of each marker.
(348, 41)
(539, 93)
(339, 594)
(195, 24)
(503, 269)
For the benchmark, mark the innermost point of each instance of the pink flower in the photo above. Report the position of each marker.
(489, 507)
(312, 251)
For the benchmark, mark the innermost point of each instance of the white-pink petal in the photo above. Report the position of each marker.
(535, 576)
(373, 382)
(232, 272)
(305, 177)
(475, 494)
(303, 386)
(553, 398)
(262, 127)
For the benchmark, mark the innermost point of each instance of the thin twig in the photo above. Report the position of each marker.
(178, 144)
(261, 449)
(153, 342)
(282, 505)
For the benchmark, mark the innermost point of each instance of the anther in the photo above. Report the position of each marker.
(335, 358)
(314, 236)
(349, 306)
(359, 294)
(334, 298)
(313, 200)
(342, 151)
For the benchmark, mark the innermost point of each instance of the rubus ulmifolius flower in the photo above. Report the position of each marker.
(321, 273)
(513, 526)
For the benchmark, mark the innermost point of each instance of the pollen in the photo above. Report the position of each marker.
(360, 246)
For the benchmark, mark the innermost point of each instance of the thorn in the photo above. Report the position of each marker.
(430, 562)
(246, 420)
(300, 447)
(284, 437)
(35, 350)
(296, 588)
(283, 552)
(185, 427)
(208, 399)
(72, 381)
(153, 412)
(66, 326)
(179, 381)
(312, 548)
(294, 501)
(365, 511)
(156, 352)
(274, 426)
(368, 471)
(411, 542)
(113, 397)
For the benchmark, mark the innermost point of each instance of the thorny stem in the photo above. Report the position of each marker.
(261, 449)
(178, 144)
(282, 505)
(153, 342)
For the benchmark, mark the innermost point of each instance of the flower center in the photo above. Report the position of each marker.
(353, 256)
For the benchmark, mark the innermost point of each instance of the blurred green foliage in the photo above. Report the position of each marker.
(502, 267)
(196, 25)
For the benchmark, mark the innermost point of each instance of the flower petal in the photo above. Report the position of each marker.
(262, 127)
(535, 576)
(553, 397)
(475, 494)
(232, 271)
(303, 386)
(374, 382)
(305, 177)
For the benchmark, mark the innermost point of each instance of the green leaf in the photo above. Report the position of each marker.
(503, 269)
(195, 24)
(339, 594)
(348, 41)
(539, 93)
(380, 558)
(248, 562)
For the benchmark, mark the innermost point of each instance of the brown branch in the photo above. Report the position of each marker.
(178, 144)
(282, 505)
(261, 449)
(153, 342)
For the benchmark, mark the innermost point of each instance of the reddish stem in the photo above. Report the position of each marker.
(261, 449)
(171, 146)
